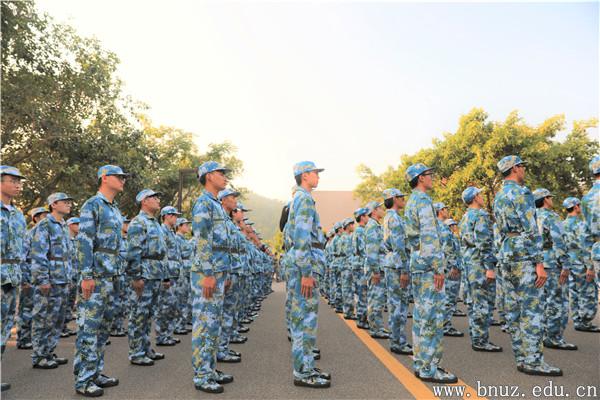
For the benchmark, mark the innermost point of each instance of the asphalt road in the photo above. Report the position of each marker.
(360, 367)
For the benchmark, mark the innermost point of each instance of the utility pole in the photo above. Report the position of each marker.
(182, 173)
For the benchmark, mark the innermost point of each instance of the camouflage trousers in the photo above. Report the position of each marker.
(166, 313)
(428, 321)
(207, 317)
(584, 295)
(230, 304)
(184, 304)
(325, 283)
(554, 311)
(361, 290)
(500, 295)
(397, 308)
(8, 304)
(375, 304)
(141, 312)
(451, 287)
(93, 327)
(245, 301)
(524, 311)
(347, 291)
(304, 315)
(48, 318)
(25, 312)
(477, 298)
(122, 288)
(492, 298)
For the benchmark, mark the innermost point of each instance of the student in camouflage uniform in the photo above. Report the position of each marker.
(374, 253)
(186, 246)
(122, 286)
(582, 285)
(335, 287)
(346, 270)
(13, 227)
(306, 268)
(453, 269)
(360, 278)
(590, 209)
(523, 269)
(73, 226)
(479, 262)
(209, 273)
(99, 241)
(396, 270)
(167, 311)
(50, 277)
(147, 270)
(556, 264)
(26, 291)
(427, 275)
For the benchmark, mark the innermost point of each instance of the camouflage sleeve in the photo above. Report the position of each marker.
(526, 213)
(372, 249)
(398, 243)
(303, 223)
(85, 239)
(202, 226)
(26, 263)
(135, 244)
(430, 246)
(484, 240)
(558, 241)
(40, 246)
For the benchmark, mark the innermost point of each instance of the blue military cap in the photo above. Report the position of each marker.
(415, 170)
(145, 193)
(181, 221)
(8, 170)
(110, 170)
(347, 222)
(470, 193)
(508, 162)
(73, 220)
(211, 166)
(337, 225)
(391, 193)
(227, 192)
(54, 197)
(37, 211)
(450, 222)
(240, 206)
(372, 205)
(360, 212)
(305, 166)
(169, 210)
(541, 193)
(439, 206)
(571, 202)
(595, 165)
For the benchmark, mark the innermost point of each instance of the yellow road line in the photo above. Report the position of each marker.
(406, 377)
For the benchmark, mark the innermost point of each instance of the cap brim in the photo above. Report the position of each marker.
(15, 175)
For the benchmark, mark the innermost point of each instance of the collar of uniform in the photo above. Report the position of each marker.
(301, 189)
(144, 213)
(167, 227)
(103, 197)
(7, 206)
(510, 182)
(210, 195)
(51, 218)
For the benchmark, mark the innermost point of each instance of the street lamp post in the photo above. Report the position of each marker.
(182, 173)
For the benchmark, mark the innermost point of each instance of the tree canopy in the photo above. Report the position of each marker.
(469, 157)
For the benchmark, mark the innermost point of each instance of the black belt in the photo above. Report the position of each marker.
(547, 247)
(513, 234)
(51, 258)
(157, 258)
(10, 261)
(318, 246)
(106, 250)
(223, 248)
(170, 259)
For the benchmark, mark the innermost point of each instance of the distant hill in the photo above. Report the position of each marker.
(265, 213)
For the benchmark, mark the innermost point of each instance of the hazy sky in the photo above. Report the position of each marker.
(342, 83)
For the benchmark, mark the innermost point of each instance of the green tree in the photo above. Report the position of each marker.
(469, 157)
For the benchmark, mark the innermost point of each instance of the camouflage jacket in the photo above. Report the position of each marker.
(423, 234)
(50, 252)
(146, 249)
(12, 229)
(394, 237)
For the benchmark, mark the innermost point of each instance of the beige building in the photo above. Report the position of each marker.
(334, 206)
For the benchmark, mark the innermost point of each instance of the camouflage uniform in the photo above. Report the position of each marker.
(13, 230)
(374, 249)
(183, 287)
(25, 296)
(212, 236)
(335, 283)
(396, 263)
(146, 259)
(360, 277)
(521, 250)
(99, 241)
(590, 208)
(583, 294)
(122, 288)
(167, 311)
(304, 235)
(346, 275)
(426, 259)
(477, 245)
(51, 257)
(453, 257)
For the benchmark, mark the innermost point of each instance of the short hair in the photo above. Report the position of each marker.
(570, 209)
(50, 207)
(508, 172)
(388, 203)
(357, 219)
(298, 179)
(202, 180)
(539, 202)
(413, 183)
